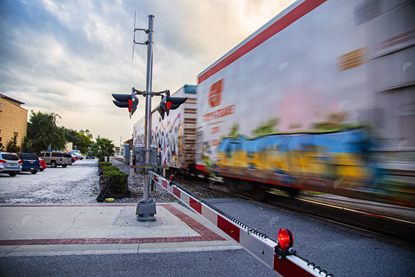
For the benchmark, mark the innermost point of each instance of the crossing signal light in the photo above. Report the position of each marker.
(285, 238)
(129, 101)
(168, 103)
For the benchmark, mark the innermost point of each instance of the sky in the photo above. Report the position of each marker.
(68, 57)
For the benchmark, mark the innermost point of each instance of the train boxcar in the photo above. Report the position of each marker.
(304, 102)
(175, 135)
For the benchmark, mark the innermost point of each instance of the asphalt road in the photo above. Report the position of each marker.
(339, 250)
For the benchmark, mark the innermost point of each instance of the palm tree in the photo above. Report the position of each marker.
(44, 133)
(103, 148)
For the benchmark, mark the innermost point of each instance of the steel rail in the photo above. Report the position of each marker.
(397, 229)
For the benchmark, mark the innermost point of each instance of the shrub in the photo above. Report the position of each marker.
(110, 167)
(101, 164)
(119, 180)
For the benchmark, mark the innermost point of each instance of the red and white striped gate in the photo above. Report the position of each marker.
(259, 245)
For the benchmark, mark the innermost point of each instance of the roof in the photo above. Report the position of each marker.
(10, 99)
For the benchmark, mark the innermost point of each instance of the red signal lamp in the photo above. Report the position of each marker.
(171, 180)
(285, 238)
(285, 242)
(168, 105)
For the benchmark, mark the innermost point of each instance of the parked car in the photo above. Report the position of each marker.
(10, 163)
(42, 164)
(68, 156)
(74, 158)
(56, 158)
(30, 162)
(78, 155)
(89, 155)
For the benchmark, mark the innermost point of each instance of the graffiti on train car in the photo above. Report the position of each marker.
(329, 161)
(169, 138)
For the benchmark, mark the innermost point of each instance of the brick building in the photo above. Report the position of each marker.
(13, 120)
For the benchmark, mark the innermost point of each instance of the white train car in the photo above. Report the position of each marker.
(285, 106)
(175, 135)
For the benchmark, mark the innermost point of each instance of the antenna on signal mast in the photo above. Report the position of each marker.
(138, 29)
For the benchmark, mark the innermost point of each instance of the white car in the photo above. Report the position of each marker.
(77, 154)
(10, 163)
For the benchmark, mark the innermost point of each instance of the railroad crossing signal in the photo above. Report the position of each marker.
(129, 101)
(168, 103)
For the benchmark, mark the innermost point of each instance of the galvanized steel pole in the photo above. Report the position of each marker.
(146, 209)
(147, 127)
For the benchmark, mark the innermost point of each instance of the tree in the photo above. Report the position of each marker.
(12, 146)
(86, 133)
(84, 143)
(44, 133)
(103, 148)
(79, 140)
(27, 145)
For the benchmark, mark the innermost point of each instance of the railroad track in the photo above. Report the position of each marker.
(389, 226)
(399, 230)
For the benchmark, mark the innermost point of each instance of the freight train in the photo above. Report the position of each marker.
(320, 98)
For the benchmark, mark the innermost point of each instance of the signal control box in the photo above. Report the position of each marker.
(139, 154)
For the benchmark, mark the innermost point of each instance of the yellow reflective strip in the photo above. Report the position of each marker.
(352, 59)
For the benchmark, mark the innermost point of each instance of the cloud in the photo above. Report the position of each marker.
(68, 57)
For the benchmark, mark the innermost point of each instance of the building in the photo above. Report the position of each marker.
(13, 120)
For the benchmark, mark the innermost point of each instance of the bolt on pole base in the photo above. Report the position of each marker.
(146, 209)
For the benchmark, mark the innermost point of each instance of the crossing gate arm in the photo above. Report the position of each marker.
(257, 244)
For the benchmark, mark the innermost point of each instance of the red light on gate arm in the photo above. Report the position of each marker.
(285, 238)
(168, 105)
(172, 178)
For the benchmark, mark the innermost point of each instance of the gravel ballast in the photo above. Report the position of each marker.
(75, 184)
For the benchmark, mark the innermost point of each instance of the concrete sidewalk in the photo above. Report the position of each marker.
(49, 230)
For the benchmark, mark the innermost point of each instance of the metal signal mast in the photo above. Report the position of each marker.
(146, 156)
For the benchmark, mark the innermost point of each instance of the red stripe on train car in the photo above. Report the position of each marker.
(288, 268)
(176, 192)
(228, 228)
(195, 205)
(298, 12)
(201, 167)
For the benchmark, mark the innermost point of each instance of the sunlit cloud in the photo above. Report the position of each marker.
(67, 57)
